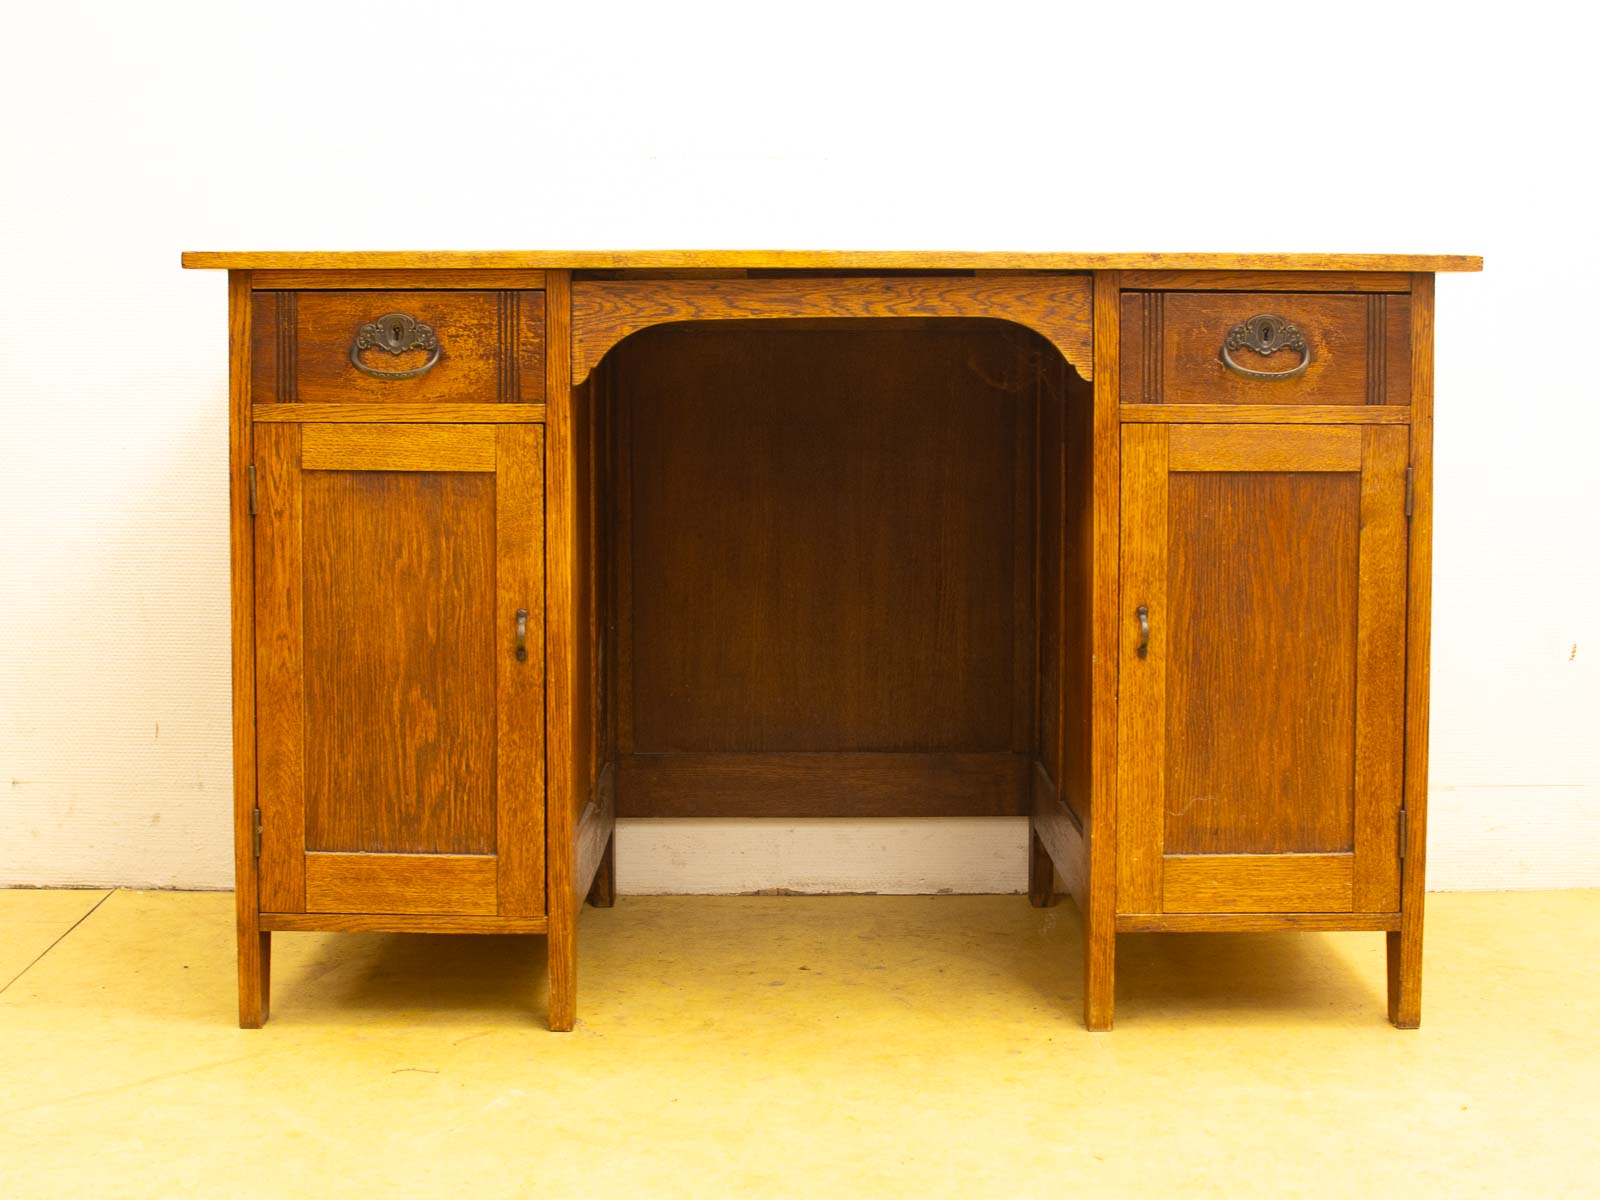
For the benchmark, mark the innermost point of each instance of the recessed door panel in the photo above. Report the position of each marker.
(400, 661)
(1261, 671)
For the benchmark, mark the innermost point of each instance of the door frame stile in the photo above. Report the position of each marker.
(1141, 691)
(1380, 668)
(519, 586)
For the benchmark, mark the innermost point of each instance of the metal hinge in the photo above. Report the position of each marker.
(250, 474)
(258, 832)
(1411, 490)
(1402, 835)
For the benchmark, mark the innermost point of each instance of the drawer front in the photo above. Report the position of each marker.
(1265, 348)
(397, 347)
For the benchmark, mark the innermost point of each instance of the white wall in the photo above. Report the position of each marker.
(129, 132)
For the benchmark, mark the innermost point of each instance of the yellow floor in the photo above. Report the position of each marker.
(831, 1047)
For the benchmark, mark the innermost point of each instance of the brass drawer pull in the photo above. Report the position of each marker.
(396, 333)
(522, 635)
(1265, 333)
(1143, 648)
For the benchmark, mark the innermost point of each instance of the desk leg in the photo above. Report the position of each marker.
(1405, 943)
(1041, 872)
(255, 976)
(1099, 974)
(562, 967)
(1104, 468)
(603, 892)
(1405, 973)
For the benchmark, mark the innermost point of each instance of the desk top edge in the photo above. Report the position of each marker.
(887, 260)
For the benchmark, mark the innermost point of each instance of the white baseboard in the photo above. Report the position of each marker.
(885, 855)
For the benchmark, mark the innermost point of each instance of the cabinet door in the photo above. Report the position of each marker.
(1261, 699)
(400, 668)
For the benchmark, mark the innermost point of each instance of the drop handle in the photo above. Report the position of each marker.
(396, 333)
(522, 635)
(1143, 648)
(1265, 333)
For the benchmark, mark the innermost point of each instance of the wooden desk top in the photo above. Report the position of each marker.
(881, 260)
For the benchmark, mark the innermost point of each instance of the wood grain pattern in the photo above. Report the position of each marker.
(491, 346)
(1041, 869)
(1273, 883)
(1142, 703)
(1380, 669)
(1281, 641)
(585, 601)
(620, 524)
(1308, 922)
(1405, 946)
(597, 572)
(1392, 320)
(1100, 930)
(1053, 738)
(1057, 307)
(1267, 281)
(593, 840)
(1080, 702)
(615, 489)
(273, 328)
(562, 718)
(254, 943)
(1024, 539)
(1271, 448)
(527, 382)
(358, 413)
(399, 923)
(1050, 482)
(822, 785)
(1064, 583)
(1144, 355)
(458, 884)
(519, 762)
(402, 728)
(822, 536)
(1260, 694)
(1356, 342)
(569, 260)
(425, 448)
(399, 660)
(1267, 414)
(1059, 833)
(603, 888)
(279, 670)
(397, 280)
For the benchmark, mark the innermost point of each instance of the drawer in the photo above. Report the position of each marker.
(1177, 348)
(443, 346)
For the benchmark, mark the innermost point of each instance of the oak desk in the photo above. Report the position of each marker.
(1135, 545)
